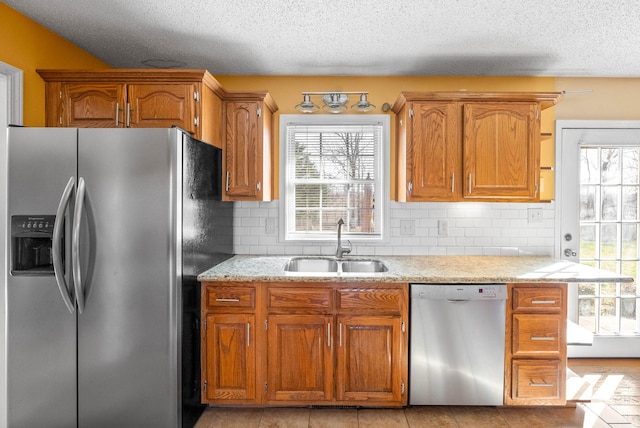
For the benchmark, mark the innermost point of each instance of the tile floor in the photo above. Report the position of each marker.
(613, 386)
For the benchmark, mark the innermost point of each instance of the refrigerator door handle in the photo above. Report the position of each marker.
(58, 267)
(75, 245)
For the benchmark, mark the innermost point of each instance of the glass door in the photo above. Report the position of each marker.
(598, 170)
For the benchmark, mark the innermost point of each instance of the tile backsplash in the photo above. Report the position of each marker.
(465, 228)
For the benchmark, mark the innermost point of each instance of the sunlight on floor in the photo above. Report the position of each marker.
(608, 388)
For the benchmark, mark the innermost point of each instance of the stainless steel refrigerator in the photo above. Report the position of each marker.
(106, 230)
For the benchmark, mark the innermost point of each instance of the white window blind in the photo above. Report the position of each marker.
(334, 171)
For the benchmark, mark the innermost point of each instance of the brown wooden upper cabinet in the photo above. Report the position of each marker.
(469, 146)
(248, 146)
(135, 98)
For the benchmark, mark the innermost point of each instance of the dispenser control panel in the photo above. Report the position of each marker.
(32, 244)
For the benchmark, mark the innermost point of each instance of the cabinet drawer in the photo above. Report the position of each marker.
(299, 298)
(538, 334)
(536, 379)
(231, 297)
(538, 299)
(387, 300)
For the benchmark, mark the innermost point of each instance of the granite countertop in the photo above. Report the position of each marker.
(433, 269)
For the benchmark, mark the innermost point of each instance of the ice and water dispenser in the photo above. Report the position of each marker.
(32, 244)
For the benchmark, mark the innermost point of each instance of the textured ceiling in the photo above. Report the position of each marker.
(355, 37)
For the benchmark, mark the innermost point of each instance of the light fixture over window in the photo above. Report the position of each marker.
(334, 102)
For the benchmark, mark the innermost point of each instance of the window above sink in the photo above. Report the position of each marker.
(331, 168)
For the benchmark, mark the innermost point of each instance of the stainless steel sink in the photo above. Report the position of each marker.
(309, 264)
(363, 266)
(331, 265)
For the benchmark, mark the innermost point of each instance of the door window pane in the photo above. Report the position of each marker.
(630, 165)
(589, 166)
(588, 241)
(630, 203)
(588, 203)
(610, 203)
(608, 241)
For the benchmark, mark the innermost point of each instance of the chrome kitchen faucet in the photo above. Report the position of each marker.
(341, 251)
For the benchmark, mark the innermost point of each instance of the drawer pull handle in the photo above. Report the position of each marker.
(535, 384)
(543, 302)
(550, 339)
(222, 299)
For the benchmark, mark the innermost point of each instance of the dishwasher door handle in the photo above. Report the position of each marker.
(457, 300)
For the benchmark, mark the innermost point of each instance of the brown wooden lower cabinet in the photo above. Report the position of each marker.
(369, 367)
(535, 380)
(347, 344)
(231, 357)
(305, 344)
(536, 345)
(300, 363)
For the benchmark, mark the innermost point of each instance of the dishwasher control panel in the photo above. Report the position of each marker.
(459, 291)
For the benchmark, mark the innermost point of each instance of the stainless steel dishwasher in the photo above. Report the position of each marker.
(457, 344)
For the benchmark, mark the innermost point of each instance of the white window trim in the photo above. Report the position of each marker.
(383, 237)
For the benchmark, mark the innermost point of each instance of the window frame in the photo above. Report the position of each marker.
(287, 120)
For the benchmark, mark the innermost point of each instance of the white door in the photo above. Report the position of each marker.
(598, 222)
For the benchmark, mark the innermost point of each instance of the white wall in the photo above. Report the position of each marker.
(473, 229)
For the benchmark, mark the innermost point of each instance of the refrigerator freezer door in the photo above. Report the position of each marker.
(41, 332)
(130, 264)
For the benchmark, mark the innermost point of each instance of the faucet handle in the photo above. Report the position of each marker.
(347, 250)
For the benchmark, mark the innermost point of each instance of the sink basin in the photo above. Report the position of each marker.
(308, 264)
(363, 266)
(330, 265)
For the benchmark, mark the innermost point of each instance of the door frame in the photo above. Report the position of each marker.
(602, 345)
(14, 90)
(11, 96)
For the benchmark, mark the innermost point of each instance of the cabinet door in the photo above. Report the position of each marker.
(501, 149)
(162, 105)
(92, 105)
(300, 358)
(229, 358)
(369, 359)
(243, 154)
(433, 152)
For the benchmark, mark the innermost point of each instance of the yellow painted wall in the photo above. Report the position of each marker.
(27, 45)
(608, 99)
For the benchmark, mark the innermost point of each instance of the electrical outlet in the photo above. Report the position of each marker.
(270, 226)
(407, 227)
(443, 227)
(534, 215)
